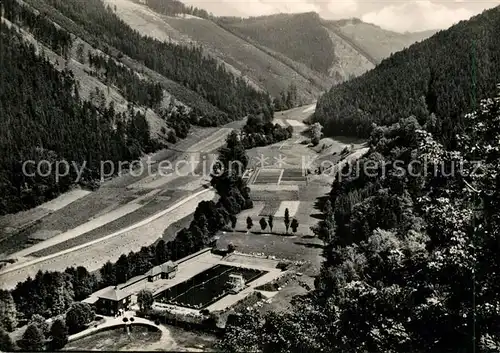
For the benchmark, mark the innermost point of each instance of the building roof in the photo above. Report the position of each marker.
(90, 300)
(166, 267)
(114, 294)
(131, 281)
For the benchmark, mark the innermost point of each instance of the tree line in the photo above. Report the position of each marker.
(260, 131)
(42, 334)
(294, 224)
(53, 293)
(174, 7)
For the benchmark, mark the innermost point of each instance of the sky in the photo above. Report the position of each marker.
(396, 15)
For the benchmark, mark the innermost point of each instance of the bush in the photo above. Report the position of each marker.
(282, 265)
(78, 317)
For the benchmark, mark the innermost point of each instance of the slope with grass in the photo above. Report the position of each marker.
(341, 49)
(240, 57)
(379, 43)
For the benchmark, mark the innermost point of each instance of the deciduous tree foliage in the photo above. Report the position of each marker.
(413, 264)
(260, 131)
(78, 316)
(145, 300)
(59, 333)
(41, 323)
(249, 223)
(263, 223)
(8, 312)
(33, 339)
(6, 344)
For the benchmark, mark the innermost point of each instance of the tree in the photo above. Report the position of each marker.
(59, 333)
(234, 219)
(32, 340)
(78, 317)
(328, 209)
(41, 323)
(161, 253)
(8, 313)
(145, 300)
(122, 269)
(287, 219)
(315, 133)
(249, 223)
(84, 283)
(270, 220)
(294, 225)
(263, 223)
(6, 344)
(108, 274)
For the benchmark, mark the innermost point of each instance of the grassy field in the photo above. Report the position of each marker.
(283, 247)
(115, 339)
(152, 207)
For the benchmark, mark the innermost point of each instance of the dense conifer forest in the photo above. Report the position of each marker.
(183, 64)
(174, 7)
(43, 118)
(433, 79)
(135, 89)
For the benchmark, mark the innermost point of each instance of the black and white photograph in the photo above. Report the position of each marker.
(261, 176)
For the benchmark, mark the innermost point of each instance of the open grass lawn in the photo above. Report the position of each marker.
(189, 339)
(264, 195)
(285, 247)
(295, 174)
(115, 339)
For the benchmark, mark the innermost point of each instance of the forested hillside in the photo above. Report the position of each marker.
(300, 37)
(378, 42)
(43, 118)
(434, 79)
